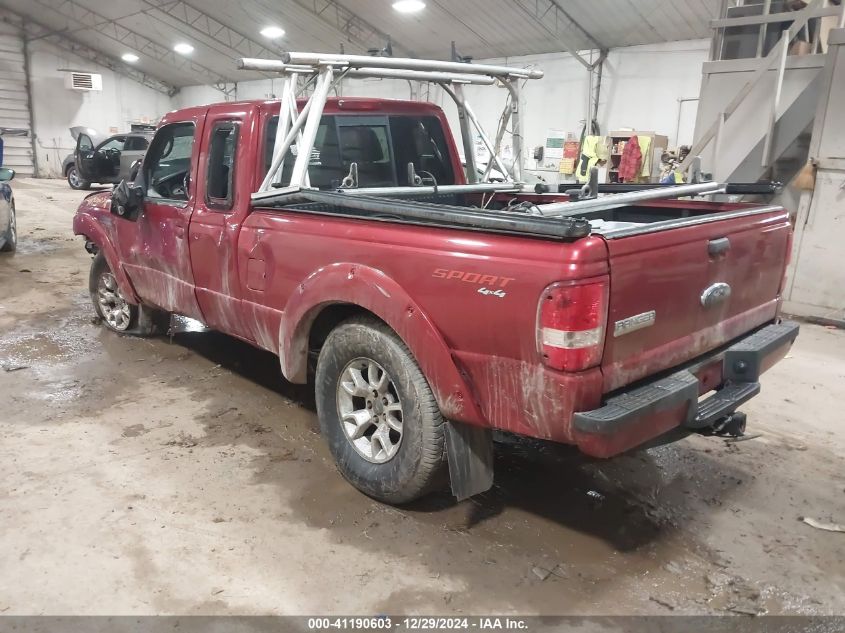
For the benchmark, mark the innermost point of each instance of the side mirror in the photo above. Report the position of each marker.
(6, 174)
(134, 169)
(127, 200)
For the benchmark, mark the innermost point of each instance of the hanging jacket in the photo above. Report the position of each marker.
(645, 150)
(631, 161)
(592, 151)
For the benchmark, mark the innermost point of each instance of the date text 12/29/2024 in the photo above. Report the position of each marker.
(418, 623)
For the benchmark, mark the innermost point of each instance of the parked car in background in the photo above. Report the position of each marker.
(8, 225)
(102, 159)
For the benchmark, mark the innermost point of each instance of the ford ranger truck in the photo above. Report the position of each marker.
(428, 322)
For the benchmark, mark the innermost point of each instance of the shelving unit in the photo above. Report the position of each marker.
(650, 170)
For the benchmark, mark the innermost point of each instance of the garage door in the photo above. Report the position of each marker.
(14, 112)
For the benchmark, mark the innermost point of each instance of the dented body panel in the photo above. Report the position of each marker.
(464, 302)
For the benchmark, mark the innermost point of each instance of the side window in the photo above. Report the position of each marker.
(221, 165)
(135, 144)
(115, 143)
(85, 143)
(168, 162)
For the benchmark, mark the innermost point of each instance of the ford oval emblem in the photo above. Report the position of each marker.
(716, 293)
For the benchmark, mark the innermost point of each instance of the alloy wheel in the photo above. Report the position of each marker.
(370, 410)
(113, 306)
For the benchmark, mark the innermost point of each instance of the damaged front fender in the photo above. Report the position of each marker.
(86, 225)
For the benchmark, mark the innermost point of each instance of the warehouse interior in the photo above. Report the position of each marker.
(189, 471)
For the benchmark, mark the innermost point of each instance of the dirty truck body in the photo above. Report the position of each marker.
(605, 338)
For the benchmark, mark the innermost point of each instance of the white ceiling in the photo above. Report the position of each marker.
(480, 28)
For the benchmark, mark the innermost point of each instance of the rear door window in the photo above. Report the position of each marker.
(135, 144)
(221, 165)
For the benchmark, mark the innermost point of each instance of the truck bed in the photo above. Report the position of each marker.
(457, 211)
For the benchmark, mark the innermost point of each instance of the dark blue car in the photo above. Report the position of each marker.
(8, 227)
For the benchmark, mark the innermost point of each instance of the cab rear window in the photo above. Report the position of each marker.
(381, 146)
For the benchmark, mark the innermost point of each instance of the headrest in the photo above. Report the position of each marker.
(360, 144)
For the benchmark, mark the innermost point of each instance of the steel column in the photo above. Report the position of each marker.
(466, 138)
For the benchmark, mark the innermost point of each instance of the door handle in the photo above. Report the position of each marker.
(180, 231)
(718, 246)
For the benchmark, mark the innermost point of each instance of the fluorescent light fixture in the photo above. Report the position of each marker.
(409, 6)
(183, 49)
(129, 57)
(272, 32)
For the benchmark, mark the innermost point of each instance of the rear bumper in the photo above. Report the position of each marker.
(645, 412)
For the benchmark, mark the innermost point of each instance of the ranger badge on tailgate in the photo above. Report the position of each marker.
(634, 323)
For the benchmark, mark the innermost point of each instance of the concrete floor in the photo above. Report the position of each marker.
(185, 477)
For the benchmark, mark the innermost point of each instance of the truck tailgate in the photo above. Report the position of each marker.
(677, 293)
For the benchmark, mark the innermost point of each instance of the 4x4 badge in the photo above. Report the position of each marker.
(495, 293)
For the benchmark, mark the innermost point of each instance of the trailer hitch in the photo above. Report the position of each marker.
(732, 425)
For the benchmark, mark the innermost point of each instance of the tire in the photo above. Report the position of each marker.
(11, 242)
(417, 464)
(75, 180)
(115, 312)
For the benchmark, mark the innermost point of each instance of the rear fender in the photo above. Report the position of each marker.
(374, 291)
(88, 226)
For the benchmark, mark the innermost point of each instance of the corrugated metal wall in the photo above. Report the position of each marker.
(15, 124)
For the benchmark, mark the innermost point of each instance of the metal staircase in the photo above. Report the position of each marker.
(755, 114)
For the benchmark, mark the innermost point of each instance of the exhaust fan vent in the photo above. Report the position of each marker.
(83, 81)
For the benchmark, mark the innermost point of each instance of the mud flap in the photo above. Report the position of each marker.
(469, 450)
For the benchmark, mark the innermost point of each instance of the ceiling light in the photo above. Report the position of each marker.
(273, 32)
(409, 6)
(129, 57)
(183, 49)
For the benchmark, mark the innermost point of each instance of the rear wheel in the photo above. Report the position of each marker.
(378, 413)
(11, 241)
(75, 180)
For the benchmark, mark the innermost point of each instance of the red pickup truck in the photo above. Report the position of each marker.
(427, 321)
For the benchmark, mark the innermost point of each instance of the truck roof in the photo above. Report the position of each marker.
(334, 105)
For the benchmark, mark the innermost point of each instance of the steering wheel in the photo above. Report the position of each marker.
(174, 186)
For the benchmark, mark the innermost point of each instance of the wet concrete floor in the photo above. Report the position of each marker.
(186, 477)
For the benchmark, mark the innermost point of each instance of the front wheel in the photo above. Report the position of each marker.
(109, 303)
(378, 414)
(75, 180)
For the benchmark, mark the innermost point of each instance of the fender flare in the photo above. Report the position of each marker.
(90, 228)
(372, 290)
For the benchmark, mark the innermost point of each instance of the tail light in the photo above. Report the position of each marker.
(571, 321)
